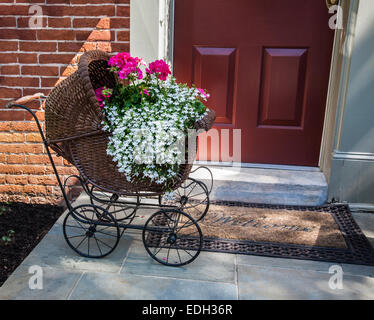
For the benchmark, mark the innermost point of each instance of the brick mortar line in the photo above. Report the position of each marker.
(67, 28)
(29, 184)
(16, 87)
(17, 76)
(66, 16)
(58, 41)
(20, 132)
(107, 4)
(72, 17)
(27, 76)
(48, 53)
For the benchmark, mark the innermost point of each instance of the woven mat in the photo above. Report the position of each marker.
(327, 233)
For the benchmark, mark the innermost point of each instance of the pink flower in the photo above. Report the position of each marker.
(203, 93)
(100, 97)
(119, 60)
(102, 93)
(126, 65)
(145, 91)
(159, 67)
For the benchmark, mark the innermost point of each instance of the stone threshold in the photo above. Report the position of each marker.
(265, 185)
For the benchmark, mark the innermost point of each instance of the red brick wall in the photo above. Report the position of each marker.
(34, 60)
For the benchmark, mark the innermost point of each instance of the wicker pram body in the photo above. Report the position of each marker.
(73, 120)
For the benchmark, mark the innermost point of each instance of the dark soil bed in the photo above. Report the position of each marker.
(22, 226)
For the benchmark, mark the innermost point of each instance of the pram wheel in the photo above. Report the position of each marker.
(90, 235)
(172, 237)
(118, 209)
(192, 197)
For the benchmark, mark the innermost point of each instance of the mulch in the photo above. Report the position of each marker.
(30, 223)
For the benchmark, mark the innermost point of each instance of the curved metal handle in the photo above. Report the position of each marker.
(17, 105)
(26, 99)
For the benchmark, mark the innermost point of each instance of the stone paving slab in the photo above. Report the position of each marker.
(208, 266)
(53, 251)
(270, 186)
(349, 269)
(366, 223)
(276, 283)
(129, 273)
(100, 286)
(56, 284)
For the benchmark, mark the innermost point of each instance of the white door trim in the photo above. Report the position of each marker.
(151, 29)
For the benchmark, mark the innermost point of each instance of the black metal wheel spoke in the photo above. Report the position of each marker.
(176, 222)
(188, 252)
(179, 256)
(179, 194)
(193, 193)
(189, 234)
(107, 227)
(81, 242)
(167, 257)
(97, 243)
(167, 221)
(192, 189)
(194, 212)
(82, 235)
(196, 204)
(159, 249)
(106, 241)
(188, 222)
(198, 194)
(88, 246)
(79, 227)
(164, 240)
(108, 234)
(120, 210)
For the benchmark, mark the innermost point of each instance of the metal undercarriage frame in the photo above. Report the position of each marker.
(171, 235)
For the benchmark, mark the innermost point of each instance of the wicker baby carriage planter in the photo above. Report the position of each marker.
(73, 129)
(73, 120)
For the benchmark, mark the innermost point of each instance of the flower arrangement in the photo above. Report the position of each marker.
(148, 115)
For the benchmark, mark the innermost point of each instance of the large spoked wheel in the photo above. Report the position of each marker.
(206, 174)
(192, 197)
(172, 237)
(88, 235)
(118, 209)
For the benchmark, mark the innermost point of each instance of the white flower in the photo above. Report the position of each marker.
(149, 141)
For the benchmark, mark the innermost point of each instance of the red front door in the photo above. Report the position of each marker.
(266, 65)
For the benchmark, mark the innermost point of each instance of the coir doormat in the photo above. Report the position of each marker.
(327, 233)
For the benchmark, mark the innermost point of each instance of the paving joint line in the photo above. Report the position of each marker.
(309, 270)
(75, 285)
(165, 277)
(125, 259)
(236, 276)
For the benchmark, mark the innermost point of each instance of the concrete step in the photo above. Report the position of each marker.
(269, 186)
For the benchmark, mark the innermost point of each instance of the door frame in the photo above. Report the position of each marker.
(161, 14)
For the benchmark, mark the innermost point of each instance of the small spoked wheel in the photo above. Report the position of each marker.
(118, 209)
(172, 237)
(89, 236)
(192, 197)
